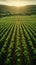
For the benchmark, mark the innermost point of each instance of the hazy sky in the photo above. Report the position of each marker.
(17, 2)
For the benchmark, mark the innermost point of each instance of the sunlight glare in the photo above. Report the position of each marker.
(17, 3)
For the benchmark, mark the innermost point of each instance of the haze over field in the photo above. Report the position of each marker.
(11, 7)
(18, 2)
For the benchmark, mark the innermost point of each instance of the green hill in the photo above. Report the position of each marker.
(12, 10)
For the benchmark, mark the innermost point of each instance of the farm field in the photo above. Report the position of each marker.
(18, 40)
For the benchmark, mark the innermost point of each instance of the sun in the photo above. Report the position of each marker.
(18, 4)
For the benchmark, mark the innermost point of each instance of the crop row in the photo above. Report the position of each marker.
(17, 44)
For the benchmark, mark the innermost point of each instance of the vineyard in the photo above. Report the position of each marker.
(18, 40)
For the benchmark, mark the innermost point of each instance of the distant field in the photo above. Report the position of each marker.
(18, 40)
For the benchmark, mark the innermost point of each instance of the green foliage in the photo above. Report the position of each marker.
(18, 40)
